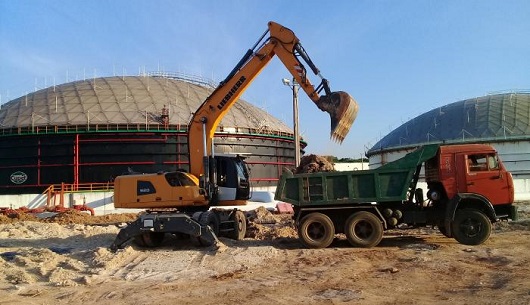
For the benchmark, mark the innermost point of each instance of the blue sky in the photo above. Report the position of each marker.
(398, 59)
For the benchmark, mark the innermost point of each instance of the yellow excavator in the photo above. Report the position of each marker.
(184, 203)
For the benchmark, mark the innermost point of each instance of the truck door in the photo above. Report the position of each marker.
(486, 176)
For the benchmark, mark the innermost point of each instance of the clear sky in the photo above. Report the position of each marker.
(398, 59)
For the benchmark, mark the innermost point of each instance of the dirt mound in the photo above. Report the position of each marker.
(264, 225)
(271, 232)
(70, 217)
(50, 262)
(77, 217)
(313, 163)
(261, 215)
(17, 217)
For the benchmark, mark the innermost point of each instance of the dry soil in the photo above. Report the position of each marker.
(66, 260)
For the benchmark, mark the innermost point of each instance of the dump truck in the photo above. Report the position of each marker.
(468, 189)
(191, 203)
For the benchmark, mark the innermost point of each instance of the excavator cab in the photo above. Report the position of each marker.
(232, 180)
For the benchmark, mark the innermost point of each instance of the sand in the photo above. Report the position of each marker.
(66, 260)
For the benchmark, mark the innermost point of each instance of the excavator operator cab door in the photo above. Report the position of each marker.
(232, 178)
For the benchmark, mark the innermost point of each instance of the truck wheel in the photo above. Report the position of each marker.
(471, 227)
(316, 230)
(149, 239)
(364, 229)
(239, 226)
(442, 229)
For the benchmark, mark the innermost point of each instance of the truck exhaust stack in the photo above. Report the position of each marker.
(342, 109)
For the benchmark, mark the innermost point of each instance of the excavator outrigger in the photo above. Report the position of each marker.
(179, 202)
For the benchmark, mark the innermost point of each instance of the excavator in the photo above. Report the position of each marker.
(190, 203)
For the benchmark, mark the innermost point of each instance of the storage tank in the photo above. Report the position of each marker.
(90, 131)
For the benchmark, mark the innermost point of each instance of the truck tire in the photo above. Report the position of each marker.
(149, 239)
(316, 230)
(239, 225)
(364, 229)
(442, 229)
(471, 227)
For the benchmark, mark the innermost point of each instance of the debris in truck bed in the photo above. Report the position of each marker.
(313, 163)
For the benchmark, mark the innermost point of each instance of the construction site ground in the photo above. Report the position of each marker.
(65, 260)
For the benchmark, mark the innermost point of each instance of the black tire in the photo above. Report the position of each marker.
(316, 230)
(471, 227)
(239, 225)
(149, 239)
(209, 218)
(364, 229)
(442, 229)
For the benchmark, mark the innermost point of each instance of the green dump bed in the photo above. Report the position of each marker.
(387, 183)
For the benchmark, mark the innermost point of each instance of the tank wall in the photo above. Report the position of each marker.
(30, 163)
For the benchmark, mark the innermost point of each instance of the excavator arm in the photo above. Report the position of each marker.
(282, 42)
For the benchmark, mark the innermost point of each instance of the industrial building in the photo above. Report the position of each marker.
(502, 120)
(89, 131)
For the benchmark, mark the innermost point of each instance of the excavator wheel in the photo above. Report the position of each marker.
(208, 218)
(240, 225)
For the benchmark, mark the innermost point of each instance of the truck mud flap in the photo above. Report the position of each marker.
(166, 223)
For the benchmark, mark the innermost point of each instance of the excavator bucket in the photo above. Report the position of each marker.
(342, 109)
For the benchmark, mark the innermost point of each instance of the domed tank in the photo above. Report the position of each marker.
(90, 131)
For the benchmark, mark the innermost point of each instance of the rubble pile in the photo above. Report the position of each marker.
(78, 217)
(71, 217)
(264, 225)
(313, 163)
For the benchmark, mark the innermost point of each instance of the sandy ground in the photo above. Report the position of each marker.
(66, 261)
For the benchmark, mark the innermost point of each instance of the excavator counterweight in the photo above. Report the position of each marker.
(342, 109)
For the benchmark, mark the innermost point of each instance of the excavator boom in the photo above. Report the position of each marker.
(282, 42)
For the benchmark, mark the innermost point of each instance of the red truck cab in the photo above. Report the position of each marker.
(467, 181)
(471, 168)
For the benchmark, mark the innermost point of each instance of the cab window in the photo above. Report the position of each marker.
(482, 162)
(493, 163)
(179, 179)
